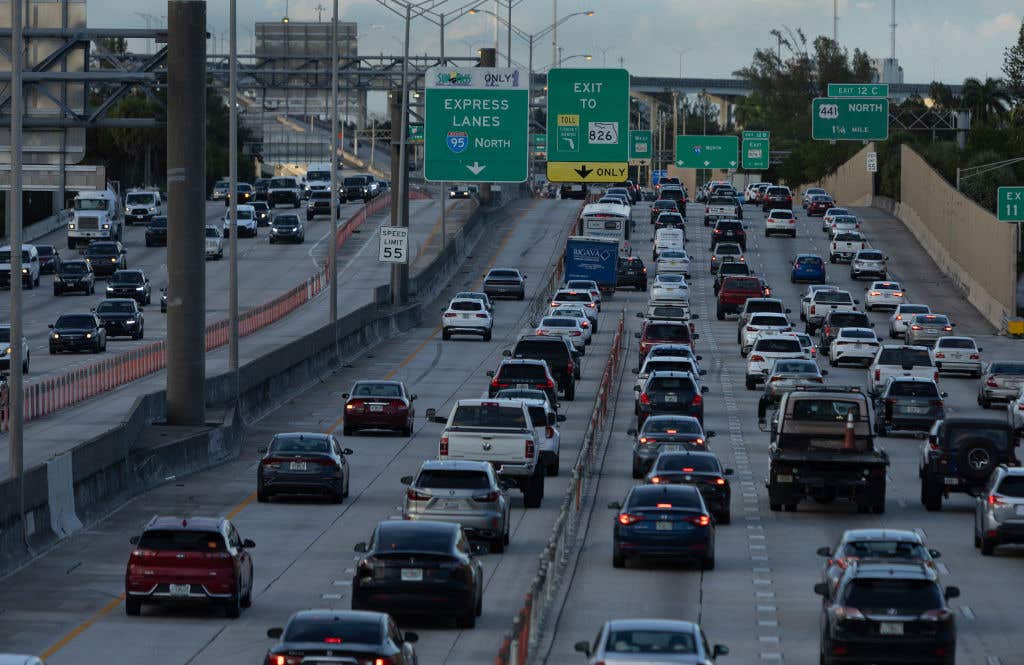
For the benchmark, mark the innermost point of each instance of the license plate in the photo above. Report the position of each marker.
(451, 505)
(522, 386)
(890, 628)
(676, 449)
(951, 481)
(671, 398)
(376, 407)
(412, 574)
(180, 590)
(783, 478)
(663, 526)
(931, 331)
(915, 409)
(297, 466)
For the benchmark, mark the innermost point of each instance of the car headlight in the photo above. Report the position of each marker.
(113, 259)
(130, 322)
(24, 271)
(110, 289)
(106, 226)
(71, 226)
(140, 288)
(7, 351)
(55, 336)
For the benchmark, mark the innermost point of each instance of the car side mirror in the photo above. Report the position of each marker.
(262, 451)
(729, 472)
(631, 431)
(345, 395)
(490, 373)
(980, 349)
(406, 480)
(943, 395)
(856, 302)
(824, 551)
(506, 353)
(615, 505)
(710, 434)
(935, 554)
(719, 650)
(639, 315)
(821, 589)
(583, 648)
(952, 592)
(411, 637)
(359, 547)
(824, 372)
(696, 336)
(134, 540)
(248, 544)
(275, 633)
(704, 390)
(91, 309)
(560, 418)
(703, 372)
(762, 425)
(50, 326)
(789, 311)
(700, 357)
(476, 549)
(431, 414)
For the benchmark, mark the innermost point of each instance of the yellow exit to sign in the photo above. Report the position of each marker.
(587, 172)
(568, 120)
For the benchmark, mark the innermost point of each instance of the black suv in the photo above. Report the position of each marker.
(320, 204)
(106, 256)
(558, 353)
(130, 284)
(74, 275)
(960, 454)
(632, 273)
(523, 373)
(777, 197)
(121, 317)
(883, 609)
(156, 232)
(833, 321)
(729, 230)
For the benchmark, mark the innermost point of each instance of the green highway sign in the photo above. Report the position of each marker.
(640, 149)
(476, 127)
(588, 125)
(858, 89)
(700, 151)
(849, 119)
(756, 149)
(415, 133)
(1010, 206)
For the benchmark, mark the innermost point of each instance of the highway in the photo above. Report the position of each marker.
(66, 605)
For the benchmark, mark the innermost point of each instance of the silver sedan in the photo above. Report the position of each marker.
(924, 329)
(662, 641)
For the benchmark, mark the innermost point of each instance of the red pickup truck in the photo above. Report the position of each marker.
(733, 294)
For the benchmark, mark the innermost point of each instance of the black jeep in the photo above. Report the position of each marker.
(960, 454)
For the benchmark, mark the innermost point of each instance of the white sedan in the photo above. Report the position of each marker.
(214, 243)
(670, 286)
(1015, 411)
(884, 294)
(830, 214)
(853, 344)
(575, 313)
(674, 260)
(957, 354)
(762, 322)
(587, 285)
(466, 317)
(900, 319)
(567, 327)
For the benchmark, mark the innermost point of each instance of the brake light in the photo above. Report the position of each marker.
(792, 221)
(356, 405)
(717, 481)
(756, 359)
(941, 614)
(995, 500)
(975, 356)
(697, 400)
(554, 304)
(663, 505)
(626, 519)
(751, 329)
(644, 398)
(991, 383)
(940, 355)
(529, 449)
(481, 316)
(383, 661)
(813, 309)
(656, 480)
(570, 367)
(828, 330)
(585, 324)
(645, 439)
(947, 328)
(875, 293)
(547, 385)
(576, 333)
(701, 520)
(549, 432)
(487, 498)
(935, 376)
(413, 495)
(898, 294)
(848, 613)
(915, 327)
(699, 441)
(1020, 406)
(442, 448)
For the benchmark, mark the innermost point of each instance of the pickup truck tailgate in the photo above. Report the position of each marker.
(491, 446)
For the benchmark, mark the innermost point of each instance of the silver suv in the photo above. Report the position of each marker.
(463, 492)
(999, 515)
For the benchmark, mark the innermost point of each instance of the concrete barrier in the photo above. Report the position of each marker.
(851, 184)
(37, 230)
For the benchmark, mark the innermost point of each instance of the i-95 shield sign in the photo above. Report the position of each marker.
(394, 245)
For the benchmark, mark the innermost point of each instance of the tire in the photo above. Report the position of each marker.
(878, 508)
(56, 291)
(338, 496)
(984, 402)
(971, 453)
(466, 620)
(487, 335)
(497, 545)
(347, 431)
(725, 518)
(233, 608)
(638, 472)
(774, 507)
(719, 314)
(708, 562)
(132, 607)
(92, 288)
(533, 494)
(751, 384)
(247, 598)
(931, 496)
(32, 283)
(552, 467)
(262, 496)
(445, 335)
(618, 558)
(988, 546)
(570, 392)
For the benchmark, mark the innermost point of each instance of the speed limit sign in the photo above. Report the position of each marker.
(394, 245)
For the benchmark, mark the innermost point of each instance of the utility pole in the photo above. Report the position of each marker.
(186, 212)
(508, 56)
(444, 185)
(233, 193)
(554, 33)
(400, 208)
(835, 21)
(15, 411)
(332, 248)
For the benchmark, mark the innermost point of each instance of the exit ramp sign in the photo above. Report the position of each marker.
(1010, 206)
(588, 125)
(700, 151)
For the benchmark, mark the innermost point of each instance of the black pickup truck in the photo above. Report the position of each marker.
(812, 456)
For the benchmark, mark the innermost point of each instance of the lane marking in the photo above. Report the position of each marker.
(82, 627)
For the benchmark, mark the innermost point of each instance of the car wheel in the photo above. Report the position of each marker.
(56, 291)
(338, 496)
(53, 351)
(638, 471)
(262, 496)
(719, 314)
(132, 607)
(988, 546)
(466, 620)
(233, 609)
(977, 539)
(725, 518)
(984, 402)
(497, 544)
(751, 384)
(708, 562)
(931, 495)
(533, 495)
(551, 468)
(570, 393)
(406, 432)
(445, 335)
(618, 558)
(247, 598)
(347, 431)
(487, 335)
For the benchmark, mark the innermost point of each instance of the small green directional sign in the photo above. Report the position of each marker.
(640, 147)
(700, 151)
(415, 133)
(756, 149)
(858, 89)
(1010, 204)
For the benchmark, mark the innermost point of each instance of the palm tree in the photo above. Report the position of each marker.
(987, 101)
(943, 96)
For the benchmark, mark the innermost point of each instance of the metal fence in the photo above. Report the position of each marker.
(51, 394)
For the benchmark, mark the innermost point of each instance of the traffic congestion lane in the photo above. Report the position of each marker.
(299, 559)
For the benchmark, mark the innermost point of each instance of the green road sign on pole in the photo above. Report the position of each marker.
(700, 151)
(415, 133)
(476, 125)
(756, 149)
(849, 119)
(588, 125)
(858, 89)
(1010, 204)
(640, 147)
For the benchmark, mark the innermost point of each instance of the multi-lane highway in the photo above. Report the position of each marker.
(67, 605)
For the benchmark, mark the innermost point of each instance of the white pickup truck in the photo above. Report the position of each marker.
(497, 431)
(720, 207)
(900, 360)
(845, 244)
(825, 301)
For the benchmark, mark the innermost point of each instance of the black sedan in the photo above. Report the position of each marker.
(78, 332)
(49, 259)
(156, 232)
(505, 282)
(703, 470)
(425, 568)
(130, 284)
(342, 636)
(106, 256)
(303, 463)
(121, 317)
(74, 275)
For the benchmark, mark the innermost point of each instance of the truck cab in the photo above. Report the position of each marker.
(318, 178)
(142, 205)
(98, 215)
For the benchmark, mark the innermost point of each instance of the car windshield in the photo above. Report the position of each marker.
(907, 596)
(781, 214)
(778, 191)
(509, 393)
(5, 256)
(139, 199)
(848, 319)
(75, 321)
(90, 204)
(453, 479)
(734, 269)
(211, 232)
(727, 248)
(729, 226)
(833, 297)
(377, 390)
(74, 268)
(658, 425)
(789, 345)
(467, 306)
(914, 309)
(913, 389)
(886, 286)
(286, 220)
(328, 629)
(529, 371)
(127, 278)
(667, 331)
(667, 312)
(318, 175)
(179, 540)
(931, 319)
(355, 182)
(243, 213)
(395, 537)
(503, 274)
(565, 296)
(300, 444)
(686, 463)
(650, 641)
(955, 343)
(885, 549)
(1016, 369)
(282, 183)
(837, 211)
(870, 256)
(101, 249)
(260, 206)
(116, 307)
(489, 414)
(665, 205)
(905, 356)
(1012, 486)
(796, 367)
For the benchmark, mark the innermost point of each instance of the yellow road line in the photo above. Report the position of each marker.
(82, 627)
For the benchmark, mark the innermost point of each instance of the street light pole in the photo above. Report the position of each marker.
(332, 248)
(554, 32)
(508, 56)
(15, 410)
(233, 193)
(400, 271)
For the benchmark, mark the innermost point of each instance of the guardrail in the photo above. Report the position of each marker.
(43, 397)
(519, 642)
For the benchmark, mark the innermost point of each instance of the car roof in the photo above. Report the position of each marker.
(117, 300)
(652, 624)
(418, 526)
(901, 535)
(454, 465)
(955, 337)
(171, 522)
(338, 615)
(524, 361)
(670, 373)
(855, 328)
(302, 435)
(378, 381)
(910, 379)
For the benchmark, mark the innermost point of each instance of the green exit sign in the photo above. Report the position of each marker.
(1010, 204)
(858, 89)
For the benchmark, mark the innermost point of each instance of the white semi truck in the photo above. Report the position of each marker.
(98, 215)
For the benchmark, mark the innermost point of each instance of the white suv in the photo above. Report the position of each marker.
(767, 349)
(246, 219)
(780, 221)
(29, 266)
(214, 243)
(857, 344)
(759, 323)
(466, 316)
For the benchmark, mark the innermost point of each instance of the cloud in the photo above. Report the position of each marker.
(1005, 23)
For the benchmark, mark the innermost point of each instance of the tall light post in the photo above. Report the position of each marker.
(332, 249)
(604, 54)
(681, 52)
(233, 194)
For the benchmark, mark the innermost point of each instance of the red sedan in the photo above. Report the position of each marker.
(379, 405)
(819, 204)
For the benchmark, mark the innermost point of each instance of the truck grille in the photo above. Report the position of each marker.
(88, 223)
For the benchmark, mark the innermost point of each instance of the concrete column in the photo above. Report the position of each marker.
(399, 204)
(186, 212)
(488, 58)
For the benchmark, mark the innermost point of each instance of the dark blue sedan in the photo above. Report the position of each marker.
(663, 521)
(808, 268)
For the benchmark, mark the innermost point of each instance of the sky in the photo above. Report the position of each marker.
(945, 40)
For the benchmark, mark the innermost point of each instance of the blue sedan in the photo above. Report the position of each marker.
(808, 268)
(665, 521)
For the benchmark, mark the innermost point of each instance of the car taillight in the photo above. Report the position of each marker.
(547, 385)
(576, 333)
(947, 328)
(874, 293)
(717, 481)
(481, 316)
(554, 304)
(549, 431)
(995, 500)
(570, 368)
(585, 324)
(442, 448)
(1020, 406)
(490, 497)
(656, 480)
(915, 327)
(940, 355)
(828, 330)
(757, 358)
(356, 406)
(991, 383)
(413, 495)
(848, 613)
(697, 400)
(792, 221)
(941, 614)
(751, 329)
(935, 376)
(449, 315)
(707, 210)
(813, 309)
(644, 398)
(975, 356)
(495, 383)
(898, 294)
(626, 519)
(281, 659)
(700, 520)
(878, 375)
(529, 449)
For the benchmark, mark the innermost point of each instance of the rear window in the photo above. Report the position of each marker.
(467, 306)
(734, 269)
(722, 200)
(503, 274)
(781, 214)
(730, 226)
(557, 322)
(669, 366)
(907, 596)
(294, 444)
(489, 416)
(741, 284)
(913, 309)
(565, 296)
(451, 479)
(796, 366)
(327, 630)
(1007, 368)
(650, 496)
(825, 410)
(727, 248)
(778, 346)
(659, 425)
(962, 433)
(953, 343)
(520, 370)
(778, 191)
(672, 384)
(1012, 486)
(885, 549)
(833, 297)
(180, 540)
(687, 463)
(768, 320)
(857, 334)
(668, 312)
(870, 256)
(667, 331)
(395, 537)
(538, 349)
(902, 356)
(913, 389)
(931, 319)
(809, 260)
(849, 320)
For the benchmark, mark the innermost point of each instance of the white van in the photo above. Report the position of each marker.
(142, 205)
(29, 266)
(668, 238)
(318, 178)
